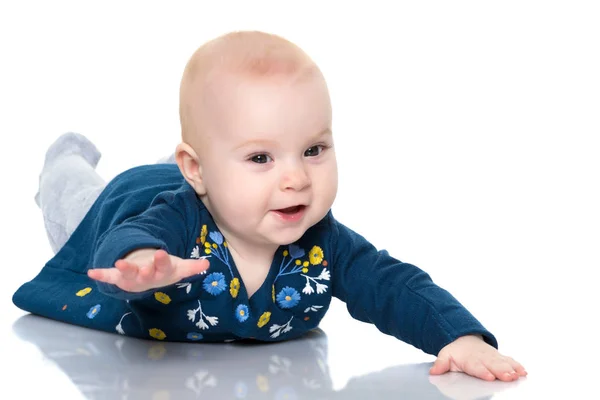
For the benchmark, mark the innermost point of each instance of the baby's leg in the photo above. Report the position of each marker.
(69, 185)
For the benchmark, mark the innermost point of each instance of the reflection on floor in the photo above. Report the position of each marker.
(104, 365)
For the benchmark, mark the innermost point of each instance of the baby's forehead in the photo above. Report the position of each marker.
(223, 66)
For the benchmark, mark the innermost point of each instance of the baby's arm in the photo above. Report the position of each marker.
(146, 269)
(145, 252)
(403, 301)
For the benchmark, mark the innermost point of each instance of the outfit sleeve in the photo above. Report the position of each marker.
(161, 226)
(399, 298)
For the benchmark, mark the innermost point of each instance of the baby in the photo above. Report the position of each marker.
(236, 240)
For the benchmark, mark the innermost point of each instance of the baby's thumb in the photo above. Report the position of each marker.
(440, 366)
(191, 267)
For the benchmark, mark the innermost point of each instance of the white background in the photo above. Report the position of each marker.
(467, 135)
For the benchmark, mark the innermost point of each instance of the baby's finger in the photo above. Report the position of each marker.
(517, 366)
(147, 273)
(128, 270)
(502, 370)
(477, 369)
(106, 275)
(163, 262)
(187, 268)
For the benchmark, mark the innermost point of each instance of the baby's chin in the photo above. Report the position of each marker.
(286, 238)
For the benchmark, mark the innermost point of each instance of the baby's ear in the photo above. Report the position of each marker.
(189, 165)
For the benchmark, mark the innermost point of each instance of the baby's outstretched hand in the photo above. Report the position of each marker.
(147, 269)
(471, 355)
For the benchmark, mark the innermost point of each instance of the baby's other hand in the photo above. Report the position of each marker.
(471, 355)
(147, 269)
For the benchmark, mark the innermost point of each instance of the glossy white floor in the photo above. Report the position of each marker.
(467, 145)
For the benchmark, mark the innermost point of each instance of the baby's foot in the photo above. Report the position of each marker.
(73, 143)
(69, 144)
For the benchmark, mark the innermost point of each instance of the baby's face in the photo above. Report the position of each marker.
(269, 166)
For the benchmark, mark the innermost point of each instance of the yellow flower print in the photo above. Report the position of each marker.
(83, 292)
(207, 251)
(263, 383)
(315, 255)
(273, 294)
(206, 244)
(225, 244)
(203, 234)
(214, 245)
(234, 287)
(305, 264)
(298, 262)
(264, 319)
(157, 333)
(305, 270)
(285, 253)
(162, 297)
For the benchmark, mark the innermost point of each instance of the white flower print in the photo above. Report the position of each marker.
(320, 287)
(277, 330)
(119, 327)
(324, 275)
(187, 286)
(213, 321)
(313, 308)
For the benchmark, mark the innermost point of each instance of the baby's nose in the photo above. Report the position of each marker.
(295, 179)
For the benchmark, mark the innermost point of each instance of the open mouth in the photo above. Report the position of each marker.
(291, 214)
(292, 210)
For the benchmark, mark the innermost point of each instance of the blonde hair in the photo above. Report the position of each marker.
(249, 54)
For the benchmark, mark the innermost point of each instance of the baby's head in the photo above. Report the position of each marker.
(257, 143)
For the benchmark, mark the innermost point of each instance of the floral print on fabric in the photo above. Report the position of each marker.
(315, 257)
(83, 292)
(215, 283)
(213, 321)
(242, 312)
(157, 333)
(264, 319)
(276, 330)
(320, 287)
(288, 297)
(94, 311)
(310, 268)
(234, 287)
(162, 297)
(218, 249)
(119, 327)
(194, 336)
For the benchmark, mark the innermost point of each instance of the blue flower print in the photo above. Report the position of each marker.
(94, 311)
(242, 312)
(214, 283)
(288, 297)
(216, 237)
(296, 251)
(194, 336)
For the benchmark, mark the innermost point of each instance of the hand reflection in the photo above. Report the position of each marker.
(105, 365)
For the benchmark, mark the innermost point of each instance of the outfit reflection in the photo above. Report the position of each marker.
(109, 366)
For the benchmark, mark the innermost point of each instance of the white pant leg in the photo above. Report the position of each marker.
(69, 185)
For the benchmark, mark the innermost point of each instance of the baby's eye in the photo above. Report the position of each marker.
(314, 151)
(260, 159)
